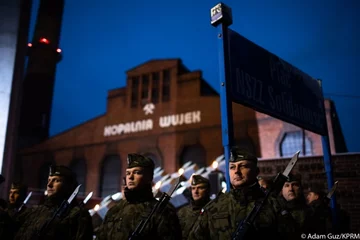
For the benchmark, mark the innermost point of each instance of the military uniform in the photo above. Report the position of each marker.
(189, 214)
(75, 223)
(294, 211)
(122, 219)
(220, 218)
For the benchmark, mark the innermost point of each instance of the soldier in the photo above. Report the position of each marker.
(293, 205)
(319, 213)
(200, 196)
(122, 219)
(219, 218)
(76, 222)
(17, 196)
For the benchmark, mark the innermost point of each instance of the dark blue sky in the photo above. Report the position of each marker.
(102, 39)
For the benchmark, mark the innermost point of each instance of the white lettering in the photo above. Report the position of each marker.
(180, 119)
(131, 127)
(145, 125)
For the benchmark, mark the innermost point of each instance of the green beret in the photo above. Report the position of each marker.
(237, 155)
(62, 171)
(198, 179)
(137, 160)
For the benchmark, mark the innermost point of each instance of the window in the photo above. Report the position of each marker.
(134, 92)
(79, 168)
(166, 86)
(155, 87)
(293, 142)
(110, 176)
(145, 88)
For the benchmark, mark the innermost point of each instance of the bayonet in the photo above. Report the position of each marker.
(291, 164)
(333, 189)
(73, 195)
(174, 187)
(25, 201)
(83, 203)
(87, 197)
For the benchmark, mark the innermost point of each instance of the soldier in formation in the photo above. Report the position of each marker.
(284, 216)
(75, 223)
(122, 219)
(200, 196)
(220, 218)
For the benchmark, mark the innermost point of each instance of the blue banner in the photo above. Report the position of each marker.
(268, 84)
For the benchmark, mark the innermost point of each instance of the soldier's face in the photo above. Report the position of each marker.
(198, 191)
(291, 190)
(311, 196)
(55, 185)
(14, 195)
(136, 177)
(242, 173)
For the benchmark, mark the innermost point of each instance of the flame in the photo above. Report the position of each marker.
(29, 44)
(181, 171)
(157, 185)
(215, 165)
(96, 207)
(45, 193)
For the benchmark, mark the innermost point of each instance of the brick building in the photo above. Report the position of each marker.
(171, 115)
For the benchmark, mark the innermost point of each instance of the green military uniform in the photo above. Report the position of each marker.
(189, 214)
(6, 225)
(122, 219)
(318, 217)
(220, 218)
(74, 225)
(294, 211)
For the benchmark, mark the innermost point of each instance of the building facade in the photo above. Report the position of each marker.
(173, 116)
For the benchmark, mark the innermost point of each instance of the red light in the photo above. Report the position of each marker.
(29, 44)
(58, 50)
(44, 40)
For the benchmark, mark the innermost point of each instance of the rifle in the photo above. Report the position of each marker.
(278, 183)
(158, 208)
(59, 212)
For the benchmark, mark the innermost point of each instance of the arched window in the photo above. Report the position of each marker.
(44, 175)
(79, 168)
(195, 154)
(155, 159)
(110, 176)
(293, 142)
